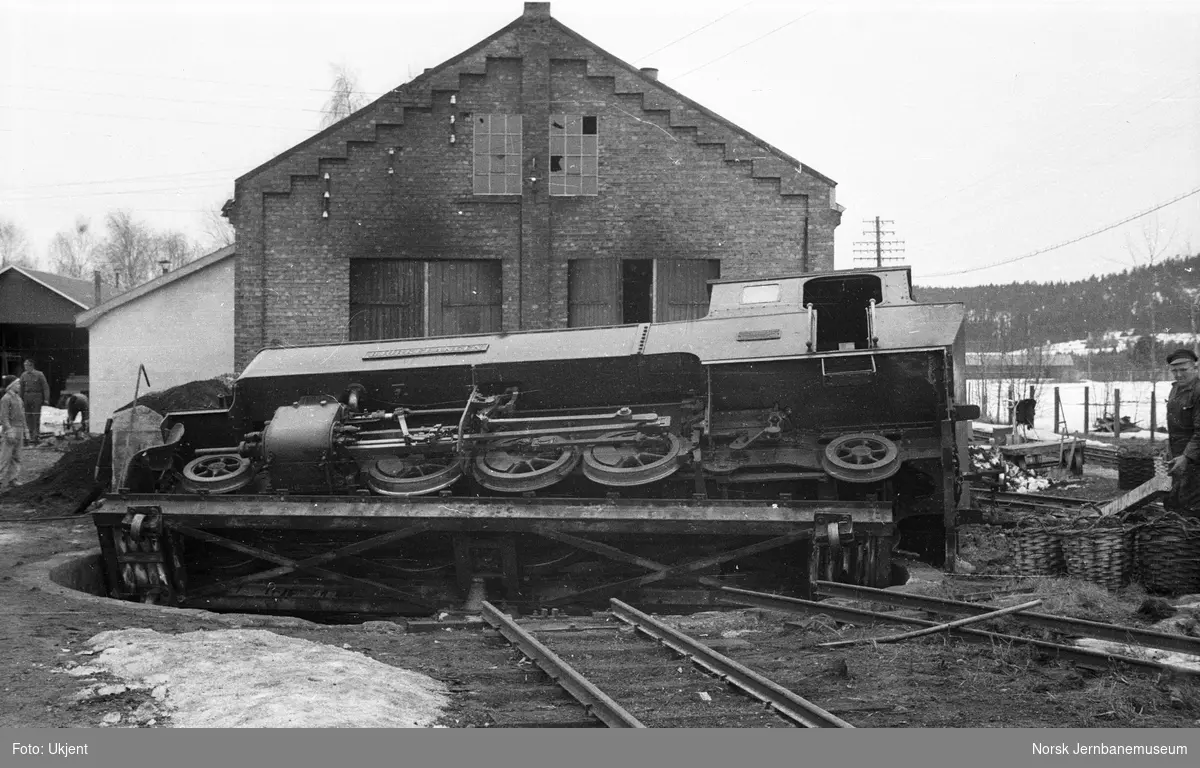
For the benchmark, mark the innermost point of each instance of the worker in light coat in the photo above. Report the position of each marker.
(12, 431)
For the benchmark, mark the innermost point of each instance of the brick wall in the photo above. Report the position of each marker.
(675, 182)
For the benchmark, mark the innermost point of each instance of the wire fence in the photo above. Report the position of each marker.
(1090, 407)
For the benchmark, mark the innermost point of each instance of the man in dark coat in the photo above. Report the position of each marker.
(35, 392)
(1183, 432)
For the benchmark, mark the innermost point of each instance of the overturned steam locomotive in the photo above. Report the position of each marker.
(794, 432)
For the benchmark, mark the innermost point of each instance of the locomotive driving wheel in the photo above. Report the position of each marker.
(219, 473)
(861, 458)
(518, 465)
(413, 475)
(637, 460)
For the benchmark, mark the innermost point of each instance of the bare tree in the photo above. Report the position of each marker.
(14, 246)
(72, 251)
(129, 251)
(218, 232)
(1152, 246)
(173, 250)
(344, 99)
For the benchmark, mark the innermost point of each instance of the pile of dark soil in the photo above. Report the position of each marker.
(193, 396)
(61, 489)
(70, 483)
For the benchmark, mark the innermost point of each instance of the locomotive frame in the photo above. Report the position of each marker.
(787, 435)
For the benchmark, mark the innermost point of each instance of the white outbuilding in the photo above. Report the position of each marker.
(179, 326)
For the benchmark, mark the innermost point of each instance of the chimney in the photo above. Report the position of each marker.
(96, 286)
(537, 11)
(651, 73)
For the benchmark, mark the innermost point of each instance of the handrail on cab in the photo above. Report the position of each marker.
(812, 327)
(872, 339)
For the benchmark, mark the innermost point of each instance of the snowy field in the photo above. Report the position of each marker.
(1135, 402)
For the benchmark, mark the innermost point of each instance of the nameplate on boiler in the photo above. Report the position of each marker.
(460, 349)
(768, 335)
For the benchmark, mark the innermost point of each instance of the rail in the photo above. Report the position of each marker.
(592, 698)
(783, 701)
(1083, 656)
(1114, 632)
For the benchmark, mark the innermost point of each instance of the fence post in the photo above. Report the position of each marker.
(1116, 415)
(1153, 410)
(1057, 408)
(1087, 424)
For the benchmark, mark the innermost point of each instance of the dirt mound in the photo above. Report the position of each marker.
(193, 396)
(64, 486)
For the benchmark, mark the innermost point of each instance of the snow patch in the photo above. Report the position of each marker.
(252, 678)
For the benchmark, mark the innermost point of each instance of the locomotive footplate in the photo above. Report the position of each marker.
(420, 556)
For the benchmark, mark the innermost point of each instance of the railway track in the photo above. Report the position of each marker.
(625, 678)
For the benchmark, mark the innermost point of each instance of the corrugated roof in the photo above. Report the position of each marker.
(78, 290)
(85, 319)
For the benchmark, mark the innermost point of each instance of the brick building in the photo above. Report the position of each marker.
(532, 181)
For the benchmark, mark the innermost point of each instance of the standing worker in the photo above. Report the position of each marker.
(12, 431)
(35, 392)
(1183, 433)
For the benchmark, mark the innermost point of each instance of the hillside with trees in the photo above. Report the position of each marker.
(1156, 298)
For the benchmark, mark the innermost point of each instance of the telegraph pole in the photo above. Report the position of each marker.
(878, 246)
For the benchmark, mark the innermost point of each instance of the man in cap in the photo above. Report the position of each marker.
(12, 431)
(1183, 432)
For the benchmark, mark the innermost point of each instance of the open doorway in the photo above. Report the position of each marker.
(637, 291)
(841, 304)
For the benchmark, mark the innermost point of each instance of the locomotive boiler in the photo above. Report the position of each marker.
(797, 430)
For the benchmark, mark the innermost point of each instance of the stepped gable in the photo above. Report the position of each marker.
(685, 118)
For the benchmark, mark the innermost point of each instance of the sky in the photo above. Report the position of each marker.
(999, 141)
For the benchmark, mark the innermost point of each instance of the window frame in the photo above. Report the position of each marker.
(574, 169)
(485, 159)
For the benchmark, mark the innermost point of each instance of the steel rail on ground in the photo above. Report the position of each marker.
(1083, 656)
(592, 698)
(785, 702)
(1115, 632)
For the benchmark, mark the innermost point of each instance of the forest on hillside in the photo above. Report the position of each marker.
(1155, 298)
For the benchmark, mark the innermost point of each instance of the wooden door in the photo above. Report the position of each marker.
(593, 292)
(464, 297)
(387, 299)
(681, 288)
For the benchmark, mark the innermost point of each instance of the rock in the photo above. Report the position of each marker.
(144, 713)
(383, 626)
(112, 718)
(962, 565)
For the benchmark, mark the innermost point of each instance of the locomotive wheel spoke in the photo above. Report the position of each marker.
(219, 473)
(414, 475)
(861, 458)
(512, 466)
(636, 460)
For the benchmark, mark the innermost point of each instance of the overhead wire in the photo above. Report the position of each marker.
(694, 31)
(143, 97)
(1072, 241)
(155, 177)
(747, 45)
(143, 74)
